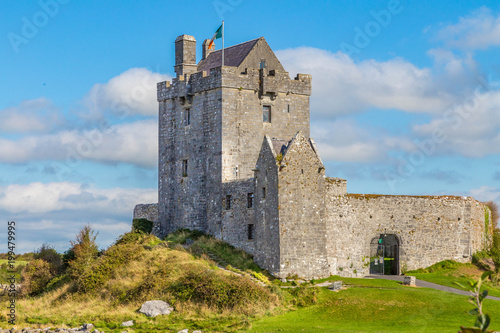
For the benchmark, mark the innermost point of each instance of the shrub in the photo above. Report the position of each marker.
(220, 291)
(142, 225)
(85, 252)
(494, 213)
(35, 277)
(47, 253)
(107, 266)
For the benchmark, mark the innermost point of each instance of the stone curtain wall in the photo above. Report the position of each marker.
(430, 229)
(146, 211)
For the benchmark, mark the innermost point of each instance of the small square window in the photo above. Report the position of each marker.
(187, 117)
(250, 200)
(263, 193)
(251, 231)
(184, 168)
(266, 113)
(228, 202)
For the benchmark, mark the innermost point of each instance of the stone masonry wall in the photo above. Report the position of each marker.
(301, 183)
(146, 211)
(267, 228)
(190, 200)
(238, 215)
(242, 120)
(430, 229)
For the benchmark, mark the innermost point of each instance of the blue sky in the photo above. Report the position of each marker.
(406, 98)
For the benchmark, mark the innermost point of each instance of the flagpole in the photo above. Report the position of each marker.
(222, 43)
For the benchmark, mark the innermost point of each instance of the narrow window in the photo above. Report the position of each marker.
(263, 193)
(250, 231)
(262, 63)
(228, 202)
(266, 113)
(250, 200)
(187, 117)
(184, 168)
(288, 108)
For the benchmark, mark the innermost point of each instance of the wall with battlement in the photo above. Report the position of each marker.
(430, 229)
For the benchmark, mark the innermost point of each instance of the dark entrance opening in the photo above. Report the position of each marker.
(384, 255)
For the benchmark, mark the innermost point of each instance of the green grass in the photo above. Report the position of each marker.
(448, 273)
(379, 306)
(6, 272)
(203, 243)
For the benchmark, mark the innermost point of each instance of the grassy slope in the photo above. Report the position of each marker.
(448, 273)
(379, 306)
(153, 273)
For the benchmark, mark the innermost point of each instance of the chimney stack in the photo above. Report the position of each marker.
(206, 50)
(185, 55)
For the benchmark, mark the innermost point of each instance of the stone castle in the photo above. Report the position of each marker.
(236, 161)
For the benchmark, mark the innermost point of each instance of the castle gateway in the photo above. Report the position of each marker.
(236, 161)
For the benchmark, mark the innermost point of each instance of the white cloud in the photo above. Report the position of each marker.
(480, 30)
(130, 93)
(55, 212)
(38, 115)
(38, 198)
(341, 86)
(346, 141)
(135, 143)
(486, 193)
(471, 129)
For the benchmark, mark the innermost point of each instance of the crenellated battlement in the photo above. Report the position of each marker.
(231, 77)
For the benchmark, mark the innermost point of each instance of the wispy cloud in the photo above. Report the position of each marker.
(479, 30)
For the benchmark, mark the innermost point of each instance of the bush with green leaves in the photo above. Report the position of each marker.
(35, 277)
(106, 266)
(47, 253)
(85, 252)
(477, 296)
(223, 292)
(142, 225)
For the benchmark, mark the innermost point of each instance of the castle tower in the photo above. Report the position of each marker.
(212, 120)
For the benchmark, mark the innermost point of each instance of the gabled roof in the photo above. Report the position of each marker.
(283, 146)
(233, 56)
(279, 146)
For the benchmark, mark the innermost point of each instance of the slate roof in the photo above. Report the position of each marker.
(233, 56)
(280, 146)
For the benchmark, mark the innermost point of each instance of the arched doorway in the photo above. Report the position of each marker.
(384, 255)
